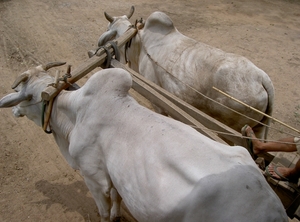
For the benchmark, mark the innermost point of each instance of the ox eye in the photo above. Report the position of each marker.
(29, 97)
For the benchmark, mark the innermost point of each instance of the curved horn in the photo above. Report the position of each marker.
(22, 78)
(108, 17)
(52, 64)
(131, 12)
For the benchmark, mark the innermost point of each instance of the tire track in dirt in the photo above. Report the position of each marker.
(13, 51)
(41, 168)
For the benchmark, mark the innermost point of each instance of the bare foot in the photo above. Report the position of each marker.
(255, 141)
(280, 173)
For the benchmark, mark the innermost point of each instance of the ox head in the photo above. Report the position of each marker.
(27, 100)
(116, 27)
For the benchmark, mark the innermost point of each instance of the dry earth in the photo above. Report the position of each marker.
(36, 182)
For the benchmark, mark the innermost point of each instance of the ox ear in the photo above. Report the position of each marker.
(106, 36)
(13, 99)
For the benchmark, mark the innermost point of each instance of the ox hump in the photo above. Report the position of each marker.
(159, 22)
(109, 80)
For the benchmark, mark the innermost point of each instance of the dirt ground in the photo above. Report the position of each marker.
(36, 182)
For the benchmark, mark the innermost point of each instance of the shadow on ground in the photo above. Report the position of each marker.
(72, 197)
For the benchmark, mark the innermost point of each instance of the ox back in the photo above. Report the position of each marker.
(189, 69)
(163, 170)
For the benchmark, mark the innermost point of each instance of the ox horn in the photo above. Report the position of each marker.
(108, 17)
(22, 78)
(52, 64)
(131, 12)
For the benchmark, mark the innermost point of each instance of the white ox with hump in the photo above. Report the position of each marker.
(163, 169)
(175, 62)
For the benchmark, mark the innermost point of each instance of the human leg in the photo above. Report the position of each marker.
(283, 145)
(289, 144)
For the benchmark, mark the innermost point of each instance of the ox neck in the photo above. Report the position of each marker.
(132, 52)
(63, 114)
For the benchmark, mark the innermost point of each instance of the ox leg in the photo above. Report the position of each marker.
(101, 193)
(115, 213)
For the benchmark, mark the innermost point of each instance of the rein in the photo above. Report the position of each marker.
(195, 90)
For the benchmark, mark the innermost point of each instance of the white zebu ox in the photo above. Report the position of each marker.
(163, 169)
(165, 56)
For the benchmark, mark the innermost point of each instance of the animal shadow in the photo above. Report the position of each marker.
(72, 197)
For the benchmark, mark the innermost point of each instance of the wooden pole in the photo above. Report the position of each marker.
(50, 92)
(250, 107)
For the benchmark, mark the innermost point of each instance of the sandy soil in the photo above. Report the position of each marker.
(36, 182)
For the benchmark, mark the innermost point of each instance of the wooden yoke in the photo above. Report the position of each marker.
(50, 92)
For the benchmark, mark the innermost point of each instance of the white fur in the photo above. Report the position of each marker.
(163, 169)
(178, 62)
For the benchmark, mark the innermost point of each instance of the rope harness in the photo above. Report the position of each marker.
(47, 105)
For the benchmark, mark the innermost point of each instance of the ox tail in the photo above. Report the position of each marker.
(268, 85)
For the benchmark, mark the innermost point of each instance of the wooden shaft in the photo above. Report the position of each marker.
(92, 63)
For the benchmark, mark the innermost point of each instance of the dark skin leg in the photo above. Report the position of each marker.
(260, 147)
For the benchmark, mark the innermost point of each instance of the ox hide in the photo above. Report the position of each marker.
(189, 69)
(163, 169)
